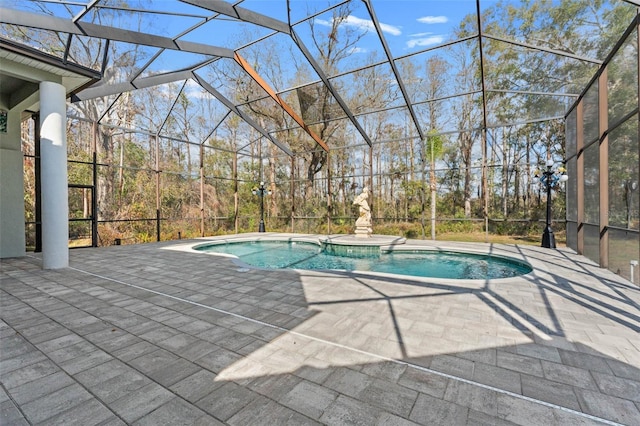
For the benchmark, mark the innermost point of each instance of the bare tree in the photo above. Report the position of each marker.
(333, 46)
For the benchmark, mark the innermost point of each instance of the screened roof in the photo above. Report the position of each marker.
(375, 69)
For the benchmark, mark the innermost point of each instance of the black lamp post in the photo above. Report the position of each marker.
(549, 179)
(260, 192)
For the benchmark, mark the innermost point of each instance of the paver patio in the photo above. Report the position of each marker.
(155, 334)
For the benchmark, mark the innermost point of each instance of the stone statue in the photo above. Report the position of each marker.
(363, 223)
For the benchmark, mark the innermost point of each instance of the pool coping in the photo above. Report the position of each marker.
(503, 251)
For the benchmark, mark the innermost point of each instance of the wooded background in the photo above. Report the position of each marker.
(493, 112)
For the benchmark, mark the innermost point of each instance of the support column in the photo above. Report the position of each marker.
(603, 126)
(55, 192)
(580, 175)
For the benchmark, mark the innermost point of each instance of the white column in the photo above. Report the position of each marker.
(53, 169)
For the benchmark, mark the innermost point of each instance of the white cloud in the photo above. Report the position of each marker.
(433, 19)
(363, 24)
(425, 41)
(194, 90)
(358, 50)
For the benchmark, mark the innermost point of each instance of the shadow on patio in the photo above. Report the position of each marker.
(139, 334)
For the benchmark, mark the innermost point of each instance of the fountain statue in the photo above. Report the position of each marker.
(363, 223)
(363, 243)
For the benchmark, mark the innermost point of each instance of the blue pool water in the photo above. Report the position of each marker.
(438, 264)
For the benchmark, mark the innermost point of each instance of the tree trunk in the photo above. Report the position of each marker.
(466, 145)
(432, 185)
(273, 202)
(235, 191)
(105, 179)
(505, 175)
(528, 191)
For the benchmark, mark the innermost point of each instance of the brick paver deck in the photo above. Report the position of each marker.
(153, 334)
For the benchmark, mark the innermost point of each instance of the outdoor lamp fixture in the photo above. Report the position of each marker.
(550, 179)
(261, 191)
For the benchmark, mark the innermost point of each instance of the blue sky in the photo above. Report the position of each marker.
(413, 25)
(408, 25)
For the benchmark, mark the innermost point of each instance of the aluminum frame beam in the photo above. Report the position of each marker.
(246, 15)
(52, 23)
(127, 86)
(227, 9)
(316, 67)
(141, 83)
(265, 86)
(86, 10)
(542, 49)
(394, 68)
(209, 88)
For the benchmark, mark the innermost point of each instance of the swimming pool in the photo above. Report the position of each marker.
(413, 262)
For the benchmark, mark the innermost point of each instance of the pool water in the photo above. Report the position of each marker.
(426, 263)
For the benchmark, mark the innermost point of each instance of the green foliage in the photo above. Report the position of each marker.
(456, 226)
(405, 229)
(136, 170)
(434, 146)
